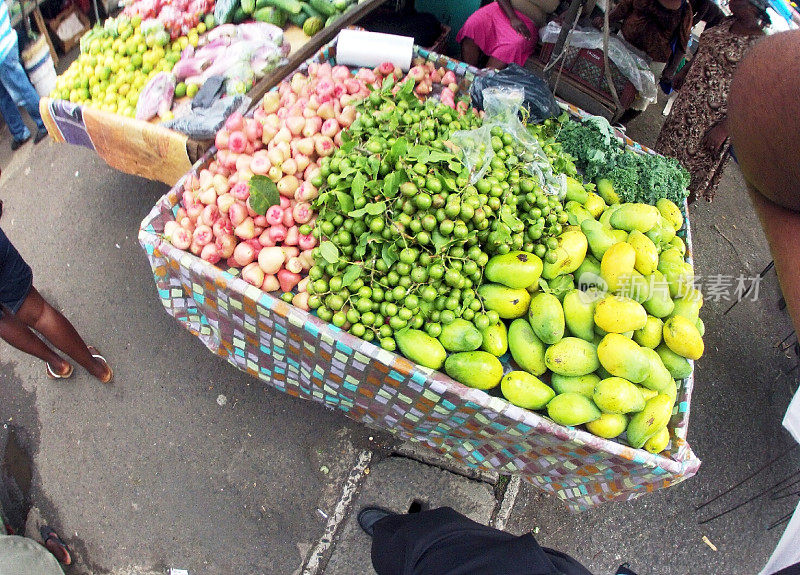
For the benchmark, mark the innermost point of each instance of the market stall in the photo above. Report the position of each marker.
(254, 238)
(148, 149)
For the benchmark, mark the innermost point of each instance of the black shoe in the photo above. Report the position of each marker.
(17, 144)
(369, 516)
(40, 135)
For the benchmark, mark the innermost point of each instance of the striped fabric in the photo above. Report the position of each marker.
(8, 36)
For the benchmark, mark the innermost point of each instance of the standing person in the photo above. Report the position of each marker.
(499, 33)
(444, 542)
(23, 310)
(15, 85)
(656, 27)
(696, 131)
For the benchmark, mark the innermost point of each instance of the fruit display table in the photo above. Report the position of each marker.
(299, 354)
(151, 151)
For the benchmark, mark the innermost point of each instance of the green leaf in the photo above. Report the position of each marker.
(398, 150)
(392, 183)
(345, 201)
(361, 248)
(357, 185)
(406, 89)
(388, 83)
(263, 194)
(373, 209)
(329, 252)
(389, 254)
(572, 220)
(439, 241)
(351, 274)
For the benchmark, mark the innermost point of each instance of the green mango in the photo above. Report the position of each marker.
(659, 304)
(598, 237)
(526, 390)
(420, 348)
(606, 190)
(636, 287)
(617, 395)
(650, 334)
(570, 253)
(605, 217)
(670, 212)
(477, 369)
(560, 286)
(572, 409)
(655, 235)
(602, 373)
(575, 191)
(671, 254)
(659, 376)
(623, 358)
(572, 356)
(460, 335)
(654, 417)
(595, 204)
(579, 309)
(515, 269)
(679, 276)
(667, 233)
(701, 327)
(608, 425)
(678, 244)
(646, 392)
(509, 303)
(678, 367)
(689, 305)
(547, 317)
(578, 212)
(658, 441)
(583, 384)
(525, 347)
(631, 217)
(495, 339)
(646, 253)
(588, 273)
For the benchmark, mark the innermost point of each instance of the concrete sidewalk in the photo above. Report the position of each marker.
(186, 462)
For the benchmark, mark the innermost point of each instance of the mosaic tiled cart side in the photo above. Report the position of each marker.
(297, 353)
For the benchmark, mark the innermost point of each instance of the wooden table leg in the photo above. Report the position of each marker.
(40, 23)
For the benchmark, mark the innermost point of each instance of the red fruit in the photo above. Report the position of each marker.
(288, 280)
(237, 142)
(241, 191)
(210, 253)
(235, 122)
(225, 245)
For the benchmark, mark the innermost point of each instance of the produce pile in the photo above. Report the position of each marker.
(350, 194)
(310, 15)
(250, 208)
(604, 159)
(118, 60)
(178, 17)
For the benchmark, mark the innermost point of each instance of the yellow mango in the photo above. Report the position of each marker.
(583, 384)
(623, 357)
(682, 336)
(615, 314)
(653, 418)
(547, 317)
(495, 339)
(515, 269)
(572, 356)
(578, 212)
(525, 390)
(646, 253)
(678, 244)
(617, 265)
(595, 204)
(647, 393)
(618, 395)
(579, 309)
(571, 251)
(608, 425)
(572, 409)
(631, 217)
(650, 334)
(509, 303)
(670, 212)
(689, 305)
(660, 303)
(658, 442)
(477, 369)
(606, 190)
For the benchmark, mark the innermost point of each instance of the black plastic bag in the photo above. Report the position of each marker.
(538, 99)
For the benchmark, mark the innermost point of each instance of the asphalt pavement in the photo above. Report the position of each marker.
(186, 462)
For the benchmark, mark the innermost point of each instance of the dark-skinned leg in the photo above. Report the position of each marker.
(470, 53)
(495, 64)
(19, 335)
(48, 321)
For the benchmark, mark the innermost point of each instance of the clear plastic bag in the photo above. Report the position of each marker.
(538, 100)
(502, 106)
(476, 150)
(156, 97)
(632, 66)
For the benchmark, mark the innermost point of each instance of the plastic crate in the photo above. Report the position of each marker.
(586, 67)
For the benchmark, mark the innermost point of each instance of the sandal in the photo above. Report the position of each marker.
(96, 354)
(52, 374)
(55, 545)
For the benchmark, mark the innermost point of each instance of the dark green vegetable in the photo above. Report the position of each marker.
(248, 6)
(323, 7)
(288, 6)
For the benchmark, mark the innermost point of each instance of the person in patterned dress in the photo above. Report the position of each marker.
(696, 131)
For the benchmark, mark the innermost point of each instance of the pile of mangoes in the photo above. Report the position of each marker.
(597, 334)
